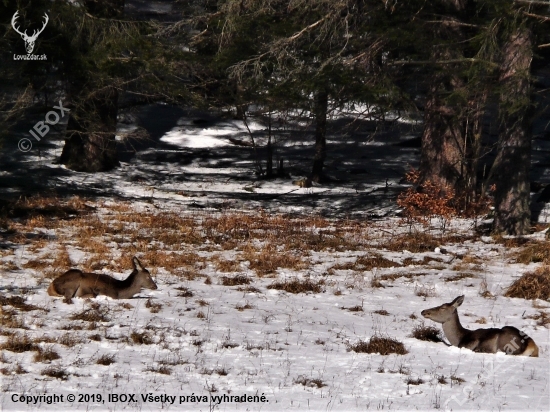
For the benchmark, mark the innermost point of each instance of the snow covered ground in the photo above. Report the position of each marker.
(219, 243)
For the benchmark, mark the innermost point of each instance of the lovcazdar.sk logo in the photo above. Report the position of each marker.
(29, 40)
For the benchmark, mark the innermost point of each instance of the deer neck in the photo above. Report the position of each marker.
(129, 286)
(453, 330)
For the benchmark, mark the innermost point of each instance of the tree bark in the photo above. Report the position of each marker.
(320, 110)
(90, 144)
(513, 161)
(443, 141)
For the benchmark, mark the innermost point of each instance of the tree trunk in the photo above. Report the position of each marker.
(90, 144)
(321, 107)
(513, 161)
(442, 154)
(452, 127)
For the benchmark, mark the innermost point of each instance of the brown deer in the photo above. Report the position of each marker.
(75, 283)
(507, 339)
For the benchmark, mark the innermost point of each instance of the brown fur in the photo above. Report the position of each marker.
(507, 339)
(75, 283)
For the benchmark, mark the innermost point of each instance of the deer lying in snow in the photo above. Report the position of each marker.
(507, 339)
(75, 283)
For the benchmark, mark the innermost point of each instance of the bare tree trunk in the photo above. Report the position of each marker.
(321, 107)
(513, 162)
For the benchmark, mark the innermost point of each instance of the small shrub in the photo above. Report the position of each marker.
(18, 302)
(55, 372)
(240, 308)
(309, 382)
(426, 333)
(93, 314)
(162, 369)
(45, 355)
(298, 286)
(184, 292)
(416, 381)
(532, 285)
(152, 306)
(382, 312)
(459, 276)
(19, 343)
(142, 338)
(457, 379)
(355, 308)
(235, 280)
(381, 345)
(106, 360)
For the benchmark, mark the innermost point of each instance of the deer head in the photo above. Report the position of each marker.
(29, 40)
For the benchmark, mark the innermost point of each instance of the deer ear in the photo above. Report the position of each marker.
(137, 263)
(458, 301)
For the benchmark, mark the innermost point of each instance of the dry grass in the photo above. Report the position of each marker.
(224, 265)
(19, 303)
(375, 261)
(249, 289)
(55, 372)
(162, 369)
(416, 242)
(382, 312)
(19, 343)
(298, 286)
(534, 252)
(184, 292)
(235, 280)
(105, 360)
(268, 259)
(381, 345)
(417, 381)
(309, 382)
(247, 305)
(141, 338)
(532, 285)
(459, 276)
(426, 333)
(93, 314)
(45, 355)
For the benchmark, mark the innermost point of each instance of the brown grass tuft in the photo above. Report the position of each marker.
(426, 333)
(19, 343)
(381, 345)
(105, 360)
(93, 314)
(534, 252)
(298, 286)
(45, 355)
(235, 280)
(184, 292)
(19, 303)
(416, 242)
(532, 285)
(55, 372)
(142, 338)
(309, 382)
(267, 260)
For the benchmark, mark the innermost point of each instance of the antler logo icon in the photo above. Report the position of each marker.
(29, 40)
